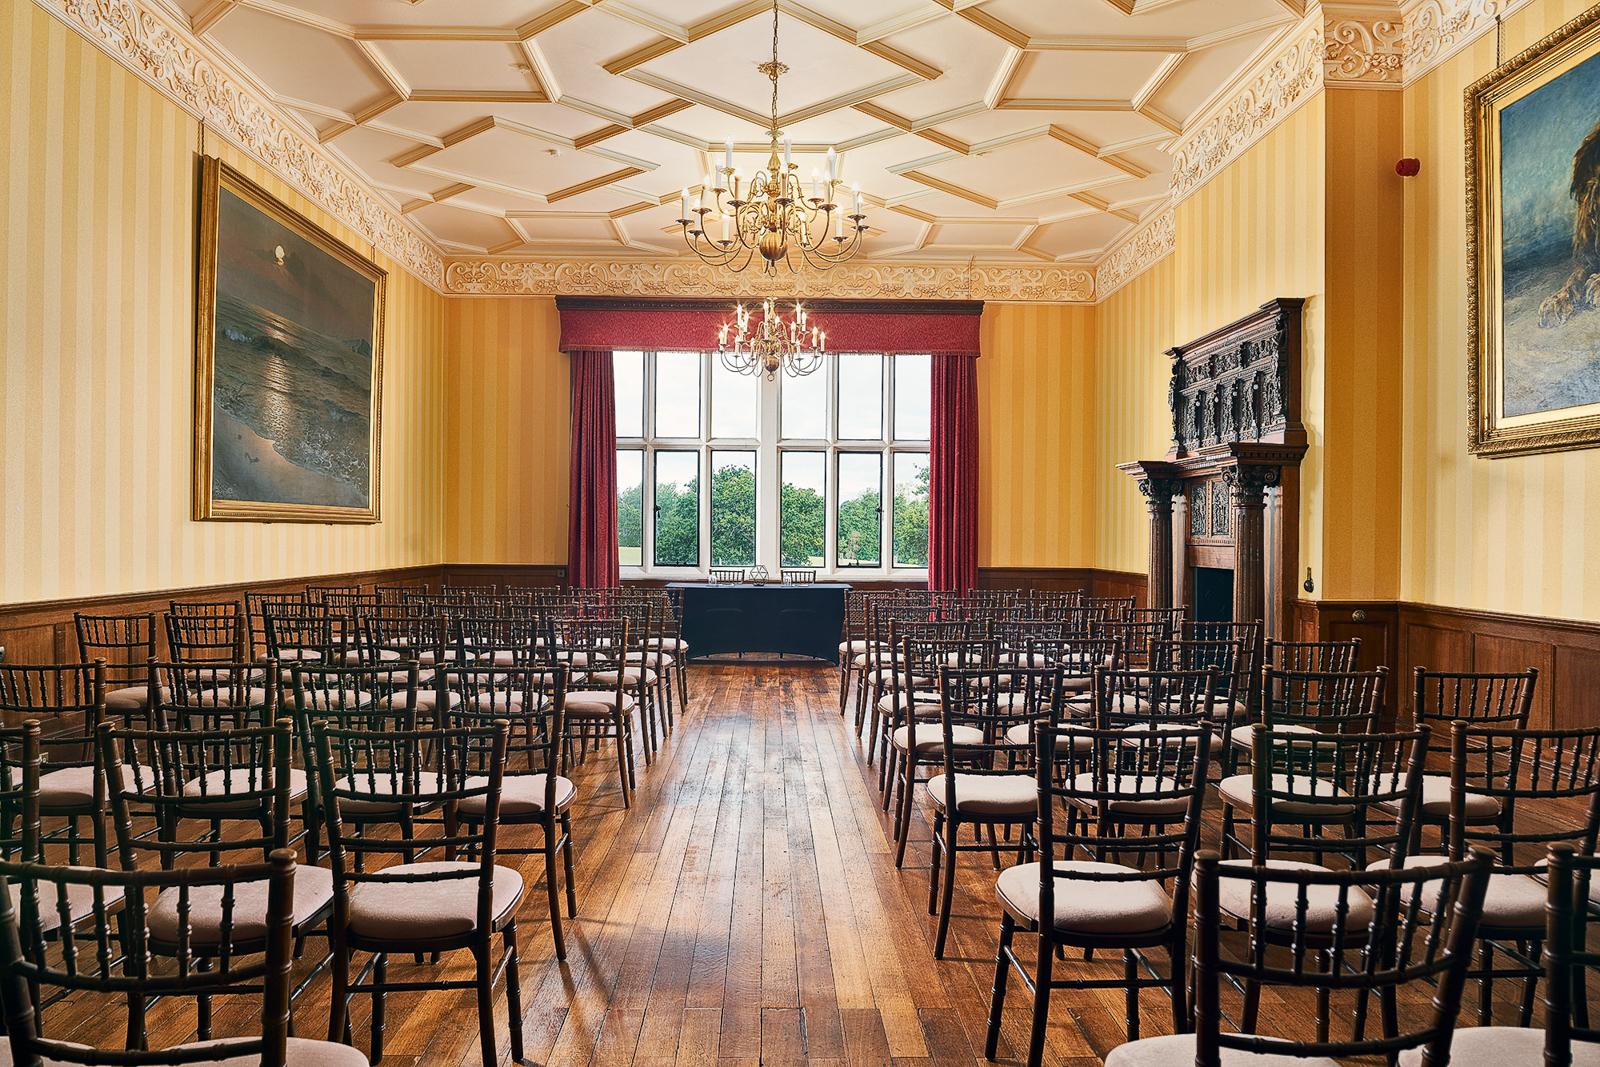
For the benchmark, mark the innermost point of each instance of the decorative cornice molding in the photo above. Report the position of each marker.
(1438, 29)
(1364, 47)
(498, 276)
(1282, 82)
(1136, 253)
(143, 39)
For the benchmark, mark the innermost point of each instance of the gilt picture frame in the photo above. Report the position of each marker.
(1533, 247)
(289, 343)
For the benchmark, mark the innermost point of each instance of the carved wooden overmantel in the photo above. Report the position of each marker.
(1227, 492)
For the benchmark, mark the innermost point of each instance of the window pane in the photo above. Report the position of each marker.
(677, 509)
(733, 509)
(628, 369)
(860, 397)
(735, 402)
(804, 514)
(911, 509)
(805, 406)
(677, 394)
(630, 507)
(913, 392)
(860, 509)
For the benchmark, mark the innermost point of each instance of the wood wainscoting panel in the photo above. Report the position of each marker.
(1498, 653)
(43, 632)
(1375, 622)
(505, 575)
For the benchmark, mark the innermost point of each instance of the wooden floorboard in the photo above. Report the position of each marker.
(745, 910)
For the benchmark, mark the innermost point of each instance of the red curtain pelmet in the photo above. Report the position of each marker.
(592, 515)
(953, 481)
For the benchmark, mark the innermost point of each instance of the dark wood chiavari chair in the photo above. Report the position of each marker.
(193, 786)
(1567, 1037)
(532, 702)
(978, 785)
(453, 590)
(68, 702)
(1150, 701)
(591, 648)
(346, 615)
(1108, 608)
(21, 839)
(125, 643)
(1247, 635)
(304, 634)
(1139, 803)
(92, 963)
(1136, 638)
(318, 594)
(1400, 945)
(911, 693)
(1319, 656)
(256, 607)
(207, 630)
(885, 613)
(419, 907)
(1547, 783)
(1442, 697)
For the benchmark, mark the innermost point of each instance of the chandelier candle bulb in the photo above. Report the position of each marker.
(683, 205)
(727, 156)
(833, 166)
(856, 189)
(787, 152)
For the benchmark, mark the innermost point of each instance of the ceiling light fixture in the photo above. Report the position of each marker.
(771, 213)
(769, 344)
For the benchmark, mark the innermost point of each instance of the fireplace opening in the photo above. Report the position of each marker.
(1213, 594)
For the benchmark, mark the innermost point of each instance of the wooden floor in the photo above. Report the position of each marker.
(746, 910)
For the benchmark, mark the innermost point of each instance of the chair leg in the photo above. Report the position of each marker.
(1130, 979)
(1530, 985)
(934, 843)
(484, 980)
(339, 1002)
(997, 1001)
(514, 984)
(380, 970)
(553, 889)
(947, 897)
(1485, 984)
(566, 860)
(908, 791)
(1041, 1005)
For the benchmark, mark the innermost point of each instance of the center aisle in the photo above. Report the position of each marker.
(747, 910)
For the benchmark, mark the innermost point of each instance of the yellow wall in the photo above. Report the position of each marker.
(1036, 436)
(1507, 534)
(1362, 380)
(1134, 328)
(507, 431)
(1254, 232)
(97, 342)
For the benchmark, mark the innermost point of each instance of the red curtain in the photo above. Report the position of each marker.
(592, 515)
(953, 481)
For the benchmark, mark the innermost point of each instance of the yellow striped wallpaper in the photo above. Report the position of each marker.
(1037, 426)
(1362, 379)
(97, 349)
(1134, 330)
(507, 431)
(1507, 534)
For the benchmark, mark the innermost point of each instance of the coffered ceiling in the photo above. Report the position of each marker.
(998, 130)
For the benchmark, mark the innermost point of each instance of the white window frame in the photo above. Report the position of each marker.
(768, 446)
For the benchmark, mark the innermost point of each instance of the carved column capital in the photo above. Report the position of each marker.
(1158, 492)
(1248, 482)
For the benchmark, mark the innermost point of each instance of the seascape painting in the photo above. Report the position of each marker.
(1534, 152)
(290, 358)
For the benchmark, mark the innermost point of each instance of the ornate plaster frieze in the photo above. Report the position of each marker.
(1363, 46)
(1438, 29)
(1136, 253)
(140, 36)
(498, 276)
(1283, 82)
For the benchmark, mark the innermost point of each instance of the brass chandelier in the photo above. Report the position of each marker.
(771, 213)
(769, 344)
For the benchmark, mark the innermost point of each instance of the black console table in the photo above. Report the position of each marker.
(800, 619)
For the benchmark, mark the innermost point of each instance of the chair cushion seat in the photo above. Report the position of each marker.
(335, 699)
(1132, 785)
(313, 892)
(585, 703)
(214, 788)
(1435, 801)
(1021, 734)
(503, 700)
(1244, 734)
(1236, 896)
(1088, 906)
(427, 701)
(930, 738)
(72, 788)
(298, 1052)
(630, 676)
(1174, 1050)
(677, 644)
(80, 905)
(381, 785)
(989, 794)
(1512, 899)
(131, 698)
(918, 706)
(1239, 790)
(1503, 1045)
(225, 697)
(520, 794)
(407, 911)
